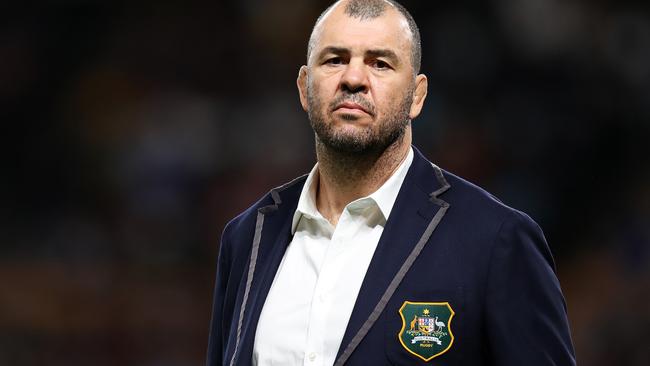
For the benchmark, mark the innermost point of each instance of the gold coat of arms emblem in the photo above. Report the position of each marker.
(426, 328)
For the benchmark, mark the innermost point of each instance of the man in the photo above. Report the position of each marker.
(379, 257)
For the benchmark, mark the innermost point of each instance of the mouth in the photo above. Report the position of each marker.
(351, 108)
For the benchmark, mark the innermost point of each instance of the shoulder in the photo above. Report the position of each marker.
(476, 203)
(478, 222)
(491, 225)
(467, 201)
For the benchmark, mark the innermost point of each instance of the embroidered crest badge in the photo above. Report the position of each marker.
(426, 328)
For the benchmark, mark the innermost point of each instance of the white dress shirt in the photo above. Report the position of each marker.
(316, 285)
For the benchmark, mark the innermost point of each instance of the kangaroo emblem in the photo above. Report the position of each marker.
(414, 322)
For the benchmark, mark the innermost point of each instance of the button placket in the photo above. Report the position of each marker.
(314, 345)
(319, 308)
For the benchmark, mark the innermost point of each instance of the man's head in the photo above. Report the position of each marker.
(360, 86)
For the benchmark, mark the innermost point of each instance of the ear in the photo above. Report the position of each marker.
(421, 86)
(302, 86)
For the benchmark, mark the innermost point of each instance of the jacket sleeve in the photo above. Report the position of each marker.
(218, 329)
(526, 320)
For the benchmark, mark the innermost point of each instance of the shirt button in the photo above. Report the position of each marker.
(312, 356)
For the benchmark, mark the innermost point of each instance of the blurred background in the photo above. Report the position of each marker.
(133, 131)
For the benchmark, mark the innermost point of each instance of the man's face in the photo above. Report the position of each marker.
(358, 89)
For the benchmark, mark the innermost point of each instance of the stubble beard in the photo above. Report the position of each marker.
(358, 142)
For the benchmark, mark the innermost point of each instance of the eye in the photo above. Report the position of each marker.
(380, 65)
(334, 61)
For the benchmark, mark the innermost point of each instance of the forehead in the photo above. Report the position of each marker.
(389, 30)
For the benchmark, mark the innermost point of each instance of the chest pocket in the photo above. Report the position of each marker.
(424, 327)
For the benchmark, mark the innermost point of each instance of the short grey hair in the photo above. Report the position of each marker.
(371, 9)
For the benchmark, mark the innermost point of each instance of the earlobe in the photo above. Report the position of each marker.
(302, 86)
(420, 94)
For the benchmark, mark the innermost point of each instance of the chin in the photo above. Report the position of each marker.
(351, 129)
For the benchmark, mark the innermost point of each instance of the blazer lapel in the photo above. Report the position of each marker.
(415, 215)
(274, 223)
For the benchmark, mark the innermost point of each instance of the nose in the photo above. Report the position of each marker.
(354, 78)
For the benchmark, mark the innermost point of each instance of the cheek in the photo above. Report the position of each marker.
(393, 97)
(326, 84)
(388, 100)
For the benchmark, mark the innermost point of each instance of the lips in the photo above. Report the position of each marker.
(351, 105)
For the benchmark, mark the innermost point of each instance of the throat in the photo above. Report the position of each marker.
(345, 177)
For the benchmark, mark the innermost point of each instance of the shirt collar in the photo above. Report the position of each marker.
(384, 197)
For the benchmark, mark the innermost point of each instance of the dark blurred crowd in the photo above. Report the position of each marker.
(133, 131)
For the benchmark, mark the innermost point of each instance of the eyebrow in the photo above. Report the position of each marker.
(389, 54)
(334, 50)
(374, 53)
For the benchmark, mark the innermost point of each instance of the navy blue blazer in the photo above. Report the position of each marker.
(446, 241)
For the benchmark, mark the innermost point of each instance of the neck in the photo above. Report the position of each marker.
(344, 177)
